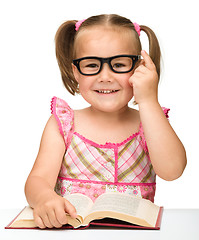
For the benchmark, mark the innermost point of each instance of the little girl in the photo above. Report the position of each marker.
(107, 146)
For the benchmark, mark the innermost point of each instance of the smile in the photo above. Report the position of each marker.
(106, 91)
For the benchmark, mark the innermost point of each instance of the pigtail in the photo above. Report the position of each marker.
(64, 42)
(154, 48)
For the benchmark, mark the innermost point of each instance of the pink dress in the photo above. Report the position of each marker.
(93, 169)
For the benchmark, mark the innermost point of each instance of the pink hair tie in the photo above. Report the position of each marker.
(78, 24)
(137, 28)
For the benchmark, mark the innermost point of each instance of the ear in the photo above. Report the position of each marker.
(75, 72)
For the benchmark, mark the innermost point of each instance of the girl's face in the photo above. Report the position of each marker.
(107, 91)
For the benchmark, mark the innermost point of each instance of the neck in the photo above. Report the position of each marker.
(110, 117)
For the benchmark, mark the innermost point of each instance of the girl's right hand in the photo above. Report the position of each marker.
(145, 81)
(51, 210)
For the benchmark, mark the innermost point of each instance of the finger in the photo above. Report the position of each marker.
(61, 216)
(141, 69)
(46, 221)
(137, 75)
(147, 60)
(53, 219)
(38, 221)
(70, 209)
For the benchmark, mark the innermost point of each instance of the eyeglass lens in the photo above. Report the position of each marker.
(119, 64)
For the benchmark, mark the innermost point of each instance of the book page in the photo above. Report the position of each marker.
(125, 204)
(117, 202)
(24, 219)
(27, 214)
(81, 202)
(148, 211)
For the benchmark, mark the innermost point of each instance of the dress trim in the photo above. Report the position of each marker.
(53, 111)
(109, 183)
(108, 144)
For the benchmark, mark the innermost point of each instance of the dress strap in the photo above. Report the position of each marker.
(141, 131)
(65, 118)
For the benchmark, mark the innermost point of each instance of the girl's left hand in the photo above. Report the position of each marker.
(145, 81)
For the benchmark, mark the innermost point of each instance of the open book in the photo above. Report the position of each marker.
(109, 209)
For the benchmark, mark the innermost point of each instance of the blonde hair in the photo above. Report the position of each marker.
(66, 36)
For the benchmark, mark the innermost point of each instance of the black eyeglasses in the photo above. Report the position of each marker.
(93, 65)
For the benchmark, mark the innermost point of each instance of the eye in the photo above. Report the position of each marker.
(121, 64)
(91, 65)
(118, 65)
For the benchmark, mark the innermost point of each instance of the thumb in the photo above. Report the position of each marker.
(70, 209)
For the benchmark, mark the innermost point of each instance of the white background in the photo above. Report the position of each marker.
(29, 77)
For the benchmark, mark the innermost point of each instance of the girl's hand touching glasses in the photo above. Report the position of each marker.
(145, 81)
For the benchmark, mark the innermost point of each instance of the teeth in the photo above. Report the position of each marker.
(106, 91)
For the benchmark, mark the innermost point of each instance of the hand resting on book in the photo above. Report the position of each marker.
(51, 210)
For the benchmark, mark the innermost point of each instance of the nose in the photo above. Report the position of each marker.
(105, 74)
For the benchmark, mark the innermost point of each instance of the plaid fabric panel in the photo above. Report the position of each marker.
(134, 164)
(86, 162)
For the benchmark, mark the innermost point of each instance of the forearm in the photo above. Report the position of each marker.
(36, 188)
(166, 151)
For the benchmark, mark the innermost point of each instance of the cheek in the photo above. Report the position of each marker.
(125, 82)
(82, 87)
(85, 84)
(128, 87)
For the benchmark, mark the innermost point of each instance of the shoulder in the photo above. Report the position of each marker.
(60, 106)
(62, 113)
(51, 135)
(64, 117)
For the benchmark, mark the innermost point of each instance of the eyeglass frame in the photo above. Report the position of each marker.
(108, 60)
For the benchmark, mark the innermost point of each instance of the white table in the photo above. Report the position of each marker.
(176, 224)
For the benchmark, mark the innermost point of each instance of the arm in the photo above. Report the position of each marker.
(49, 208)
(166, 151)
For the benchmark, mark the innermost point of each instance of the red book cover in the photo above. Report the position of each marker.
(105, 222)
